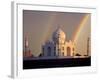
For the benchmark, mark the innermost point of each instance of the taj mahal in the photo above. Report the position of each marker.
(58, 46)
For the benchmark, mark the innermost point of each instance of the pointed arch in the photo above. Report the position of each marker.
(49, 51)
(68, 51)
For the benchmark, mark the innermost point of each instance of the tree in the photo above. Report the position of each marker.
(77, 54)
(40, 54)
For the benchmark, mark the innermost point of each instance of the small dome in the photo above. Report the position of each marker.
(59, 34)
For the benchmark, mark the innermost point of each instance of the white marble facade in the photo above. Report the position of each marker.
(58, 47)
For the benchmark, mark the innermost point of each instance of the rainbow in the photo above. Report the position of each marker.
(80, 26)
(48, 26)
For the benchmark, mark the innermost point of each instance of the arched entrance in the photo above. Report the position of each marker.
(49, 51)
(68, 51)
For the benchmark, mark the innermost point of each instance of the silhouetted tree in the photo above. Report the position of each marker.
(77, 54)
(40, 55)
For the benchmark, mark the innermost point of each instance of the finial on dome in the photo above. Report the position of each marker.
(59, 27)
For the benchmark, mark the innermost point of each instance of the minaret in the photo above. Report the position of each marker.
(88, 40)
(27, 52)
(26, 43)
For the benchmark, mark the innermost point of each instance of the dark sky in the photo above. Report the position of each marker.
(40, 25)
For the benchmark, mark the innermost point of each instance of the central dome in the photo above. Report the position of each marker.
(59, 35)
